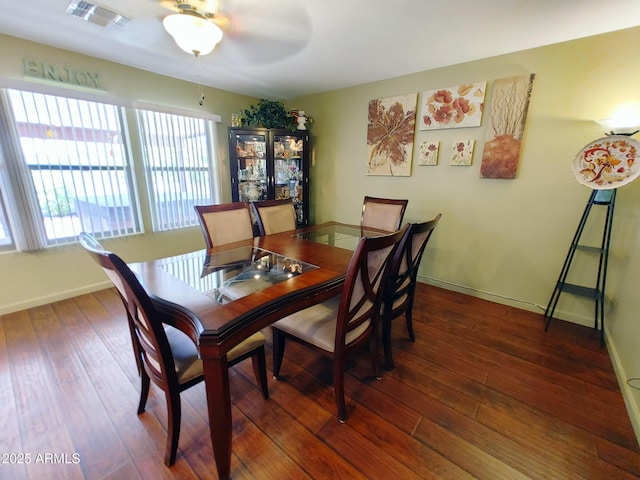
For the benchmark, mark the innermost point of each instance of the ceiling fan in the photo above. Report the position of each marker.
(209, 9)
(194, 26)
(254, 30)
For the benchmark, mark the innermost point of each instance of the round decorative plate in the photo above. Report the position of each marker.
(609, 162)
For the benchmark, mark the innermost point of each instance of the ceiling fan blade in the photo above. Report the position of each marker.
(255, 32)
(264, 32)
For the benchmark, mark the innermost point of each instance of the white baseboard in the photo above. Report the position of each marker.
(44, 300)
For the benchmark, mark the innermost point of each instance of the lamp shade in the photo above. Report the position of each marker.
(625, 120)
(620, 124)
(192, 33)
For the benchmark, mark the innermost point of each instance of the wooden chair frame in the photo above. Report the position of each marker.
(400, 287)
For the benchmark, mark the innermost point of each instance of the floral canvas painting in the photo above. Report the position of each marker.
(390, 135)
(453, 107)
(462, 152)
(428, 154)
(506, 124)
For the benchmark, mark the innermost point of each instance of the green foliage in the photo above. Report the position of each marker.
(268, 114)
(56, 204)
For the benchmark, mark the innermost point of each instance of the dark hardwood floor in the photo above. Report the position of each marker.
(483, 393)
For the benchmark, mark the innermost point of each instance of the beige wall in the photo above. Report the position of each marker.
(504, 240)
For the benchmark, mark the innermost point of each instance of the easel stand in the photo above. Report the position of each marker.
(602, 198)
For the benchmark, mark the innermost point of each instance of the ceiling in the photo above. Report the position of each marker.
(281, 49)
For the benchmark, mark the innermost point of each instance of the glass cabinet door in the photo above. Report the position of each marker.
(270, 164)
(251, 155)
(288, 155)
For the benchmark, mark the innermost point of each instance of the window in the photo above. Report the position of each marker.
(77, 167)
(177, 162)
(69, 167)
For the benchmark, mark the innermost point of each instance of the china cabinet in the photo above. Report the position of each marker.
(268, 164)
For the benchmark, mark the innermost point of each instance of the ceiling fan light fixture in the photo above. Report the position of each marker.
(192, 32)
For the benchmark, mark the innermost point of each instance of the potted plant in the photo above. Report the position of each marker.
(268, 114)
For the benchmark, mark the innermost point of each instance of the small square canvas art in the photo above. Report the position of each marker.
(428, 154)
(462, 152)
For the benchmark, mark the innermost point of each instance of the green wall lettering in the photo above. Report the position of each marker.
(66, 75)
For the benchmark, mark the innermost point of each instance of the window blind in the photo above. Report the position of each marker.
(78, 171)
(177, 153)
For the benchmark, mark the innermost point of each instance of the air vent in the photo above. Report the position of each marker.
(96, 14)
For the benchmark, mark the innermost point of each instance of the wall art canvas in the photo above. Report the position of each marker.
(428, 153)
(462, 152)
(453, 107)
(506, 125)
(390, 135)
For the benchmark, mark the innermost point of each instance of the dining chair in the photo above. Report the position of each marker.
(166, 346)
(88, 241)
(337, 327)
(225, 223)
(383, 213)
(400, 287)
(274, 216)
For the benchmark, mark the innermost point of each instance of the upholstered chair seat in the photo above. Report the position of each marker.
(188, 364)
(317, 325)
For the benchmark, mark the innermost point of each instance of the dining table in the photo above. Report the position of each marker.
(227, 293)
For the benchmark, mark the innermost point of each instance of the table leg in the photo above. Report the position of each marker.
(216, 378)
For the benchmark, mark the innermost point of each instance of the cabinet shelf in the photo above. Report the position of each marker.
(268, 156)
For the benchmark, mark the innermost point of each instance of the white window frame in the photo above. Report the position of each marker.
(141, 190)
(178, 150)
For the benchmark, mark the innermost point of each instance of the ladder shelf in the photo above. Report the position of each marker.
(598, 197)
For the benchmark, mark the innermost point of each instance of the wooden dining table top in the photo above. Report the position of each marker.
(328, 247)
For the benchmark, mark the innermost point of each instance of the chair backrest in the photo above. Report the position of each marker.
(90, 243)
(405, 262)
(225, 223)
(155, 351)
(362, 291)
(275, 216)
(383, 213)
